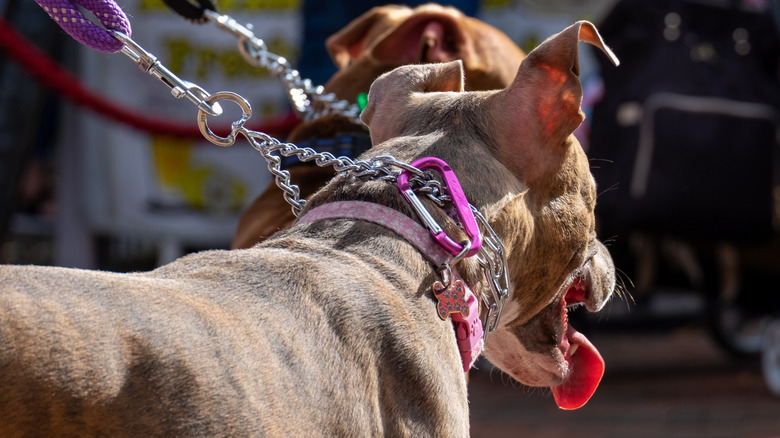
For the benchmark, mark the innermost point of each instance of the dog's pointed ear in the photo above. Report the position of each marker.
(544, 103)
(359, 35)
(391, 94)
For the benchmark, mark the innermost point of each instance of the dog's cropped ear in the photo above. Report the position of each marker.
(542, 105)
(392, 92)
(360, 34)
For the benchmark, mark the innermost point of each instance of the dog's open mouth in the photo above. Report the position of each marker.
(586, 366)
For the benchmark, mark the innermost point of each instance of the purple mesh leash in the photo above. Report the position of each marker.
(72, 21)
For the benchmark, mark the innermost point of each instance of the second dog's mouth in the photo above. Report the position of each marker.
(585, 364)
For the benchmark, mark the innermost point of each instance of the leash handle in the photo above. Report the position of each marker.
(67, 15)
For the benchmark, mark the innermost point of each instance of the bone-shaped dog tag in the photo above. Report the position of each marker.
(451, 299)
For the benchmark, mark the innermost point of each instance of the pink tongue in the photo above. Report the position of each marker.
(587, 369)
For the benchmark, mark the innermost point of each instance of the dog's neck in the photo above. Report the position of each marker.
(455, 299)
(392, 219)
(347, 187)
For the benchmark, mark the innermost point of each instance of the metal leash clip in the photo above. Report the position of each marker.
(252, 48)
(179, 88)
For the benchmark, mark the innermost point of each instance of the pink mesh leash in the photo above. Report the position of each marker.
(72, 21)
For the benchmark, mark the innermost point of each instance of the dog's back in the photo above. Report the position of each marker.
(266, 341)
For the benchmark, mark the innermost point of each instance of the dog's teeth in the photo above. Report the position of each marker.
(573, 348)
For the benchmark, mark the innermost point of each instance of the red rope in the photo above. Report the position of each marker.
(51, 74)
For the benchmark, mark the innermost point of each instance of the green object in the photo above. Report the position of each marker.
(362, 101)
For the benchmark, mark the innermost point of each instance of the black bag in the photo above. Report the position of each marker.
(685, 139)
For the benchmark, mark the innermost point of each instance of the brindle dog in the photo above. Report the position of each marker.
(330, 327)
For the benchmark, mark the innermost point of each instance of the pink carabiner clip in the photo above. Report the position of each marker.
(459, 201)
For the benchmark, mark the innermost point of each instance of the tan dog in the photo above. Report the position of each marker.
(330, 327)
(374, 43)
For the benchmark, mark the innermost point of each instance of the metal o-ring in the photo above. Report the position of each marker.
(213, 99)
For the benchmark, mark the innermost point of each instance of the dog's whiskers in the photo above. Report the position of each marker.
(603, 160)
(608, 189)
(502, 376)
(622, 288)
(609, 240)
(532, 391)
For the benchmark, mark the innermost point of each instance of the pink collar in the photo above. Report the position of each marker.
(468, 330)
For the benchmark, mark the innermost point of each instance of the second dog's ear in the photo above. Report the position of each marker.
(432, 34)
(391, 94)
(360, 34)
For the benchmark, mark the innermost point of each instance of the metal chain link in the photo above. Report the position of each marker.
(383, 167)
(492, 259)
(309, 100)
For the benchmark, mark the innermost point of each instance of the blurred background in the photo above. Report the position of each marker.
(683, 138)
